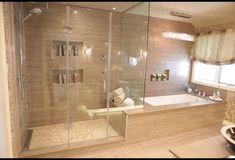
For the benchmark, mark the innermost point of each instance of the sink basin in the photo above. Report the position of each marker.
(228, 133)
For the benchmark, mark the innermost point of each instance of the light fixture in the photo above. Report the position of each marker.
(181, 15)
(114, 8)
(178, 36)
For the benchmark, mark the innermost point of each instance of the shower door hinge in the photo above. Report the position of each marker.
(68, 125)
(68, 29)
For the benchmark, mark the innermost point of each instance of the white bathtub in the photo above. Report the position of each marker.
(171, 99)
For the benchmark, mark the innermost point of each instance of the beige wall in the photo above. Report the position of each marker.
(168, 54)
(5, 127)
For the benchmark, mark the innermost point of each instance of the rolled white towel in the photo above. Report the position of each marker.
(116, 92)
(118, 99)
(128, 102)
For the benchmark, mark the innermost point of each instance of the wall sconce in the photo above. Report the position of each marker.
(178, 36)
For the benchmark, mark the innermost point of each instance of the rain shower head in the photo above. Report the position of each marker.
(39, 11)
(36, 11)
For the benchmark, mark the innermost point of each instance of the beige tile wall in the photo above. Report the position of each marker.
(168, 54)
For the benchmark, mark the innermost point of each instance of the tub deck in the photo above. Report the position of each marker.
(149, 108)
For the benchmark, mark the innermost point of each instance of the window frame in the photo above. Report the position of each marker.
(216, 84)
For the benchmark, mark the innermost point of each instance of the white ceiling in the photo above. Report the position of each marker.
(120, 6)
(203, 13)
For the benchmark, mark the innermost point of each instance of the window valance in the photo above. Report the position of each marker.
(215, 47)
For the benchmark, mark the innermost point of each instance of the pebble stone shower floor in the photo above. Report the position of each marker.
(53, 135)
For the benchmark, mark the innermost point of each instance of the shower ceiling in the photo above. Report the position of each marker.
(203, 13)
(119, 6)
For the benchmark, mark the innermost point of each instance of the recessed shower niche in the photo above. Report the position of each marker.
(62, 77)
(59, 48)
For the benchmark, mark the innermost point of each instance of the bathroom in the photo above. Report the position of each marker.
(88, 75)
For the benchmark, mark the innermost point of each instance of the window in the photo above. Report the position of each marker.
(214, 75)
(227, 74)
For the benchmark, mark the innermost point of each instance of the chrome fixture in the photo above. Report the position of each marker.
(34, 11)
(160, 77)
(39, 11)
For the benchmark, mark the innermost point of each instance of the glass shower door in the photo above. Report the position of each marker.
(88, 69)
(45, 35)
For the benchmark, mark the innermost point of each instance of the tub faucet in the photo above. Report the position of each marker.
(160, 77)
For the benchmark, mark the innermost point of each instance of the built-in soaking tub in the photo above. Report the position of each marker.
(164, 116)
(171, 99)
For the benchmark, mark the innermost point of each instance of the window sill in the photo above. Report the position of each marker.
(215, 85)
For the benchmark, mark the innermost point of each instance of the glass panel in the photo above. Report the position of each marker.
(134, 53)
(45, 38)
(88, 42)
(227, 75)
(128, 60)
(20, 68)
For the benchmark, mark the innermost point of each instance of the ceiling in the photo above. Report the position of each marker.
(203, 13)
(120, 6)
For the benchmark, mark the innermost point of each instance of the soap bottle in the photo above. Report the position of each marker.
(60, 79)
(64, 50)
(76, 50)
(64, 79)
(60, 50)
(69, 78)
(75, 78)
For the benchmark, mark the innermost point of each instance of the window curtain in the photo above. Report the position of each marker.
(215, 47)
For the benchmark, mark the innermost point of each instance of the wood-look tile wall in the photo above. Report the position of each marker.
(168, 54)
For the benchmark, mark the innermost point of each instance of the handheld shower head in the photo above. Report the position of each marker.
(39, 11)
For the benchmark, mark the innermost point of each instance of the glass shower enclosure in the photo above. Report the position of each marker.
(68, 60)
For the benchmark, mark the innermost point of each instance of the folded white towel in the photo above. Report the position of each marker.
(128, 102)
(116, 92)
(118, 99)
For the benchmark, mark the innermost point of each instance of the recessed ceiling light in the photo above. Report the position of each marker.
(114, 8)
